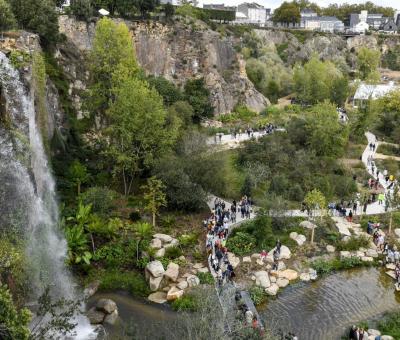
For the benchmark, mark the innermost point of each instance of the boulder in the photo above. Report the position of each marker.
(164, 238)
(345, 254)
(172, 271)
(182, 258)
(307, 225)
(106, 305)
(360, 254)
(313, 274)
(260, 262)
(246, 259)
(262, 279)
(155, 243)
(289, 274)
(305, 277)
(112, 318)
(255, 256)
(371, 253)
(285, 254)
(272, 289)
(282, 282)
(193, 281)
(392, 274)
(202, 270)
(198, 265)
(182, 285)
(374, 332)
(95, 316)
(155, 283)
(91, 289)
(233, 259)
(391, 266)
(155, 268)
(281, 265)
(293, 235)
(272, 279)
(367, 259)
(397, 232)
(330, 249)
(158, 297)
(173, 243)
(160, 252)
(300, 239)
(174, 293)
(387, 337)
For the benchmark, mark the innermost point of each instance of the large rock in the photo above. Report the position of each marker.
(155, 243)
(155, 283)
(172, 271)
(158, 297)
(246, 259)
(173, 243)
(164, 238)
(391, 273)
(160, 252)
(182, 285)
(285, 254)
(155, 268)
(272, 289)
(95, 316)
(233, 259)
(371, 253)
(391, 266)
(374, 332)
(193, 281)
(344, 254)
(330, 249)
(106, 305)
(289, 274)
(305, 277)
(307, 225)
(262, 279)
(91, 289)
(281, 282)
(299, 238)
(367, 259)
(174, 293)
(397, 232)
(112, 318)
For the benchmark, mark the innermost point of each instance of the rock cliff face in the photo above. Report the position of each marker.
(179, 52)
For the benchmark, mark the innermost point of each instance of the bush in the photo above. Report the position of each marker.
(173, 252)
(185, 303)
(135, 216)
(325, 267)
(242, 243)
(102, 199)
(257, 295)
(390, 325)
(187, 240)
(130, 281)
(354, 243)
(206, 278)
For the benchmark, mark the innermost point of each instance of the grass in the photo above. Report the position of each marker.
(388, 149)
(325, 267)
(185, 303)
(205, 278)
(354, 243)
(354, 151)
(257, 295)
(390, 325)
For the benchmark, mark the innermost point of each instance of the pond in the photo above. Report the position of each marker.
(325, 309)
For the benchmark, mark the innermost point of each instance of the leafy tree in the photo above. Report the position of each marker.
(38, 16)
(166, 89)
(288, 13)
(146, 6)
(198, 97)
(78, 174)
(14, 324)
(112, 54)
(169, 10)
(138, 131)
(367, 64)
(154, 196)
(184, 111)
(82, 9)
(316, 202)
(143, 230)
(7, 19)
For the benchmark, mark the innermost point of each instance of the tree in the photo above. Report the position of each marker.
(14, 324)
(166, 89)
(137, 129)
(288, 13)
(77, 173)
(198, 97)
(154, 196)
(7, 19)
(146, 6)
(169, 10)
(143, 230)
(112, 53)
(82, 9)
(316, 202)
(37, 16)
(367, 64)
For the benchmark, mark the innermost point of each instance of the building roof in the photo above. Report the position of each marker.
(240, 15)
(252, 5)
(366, 91)
(307, 10)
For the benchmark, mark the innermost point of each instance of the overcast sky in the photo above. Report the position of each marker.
(275, 3)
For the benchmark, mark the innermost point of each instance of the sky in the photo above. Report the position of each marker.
(322, 3)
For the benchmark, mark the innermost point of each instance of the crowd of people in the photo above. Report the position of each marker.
(237, 133)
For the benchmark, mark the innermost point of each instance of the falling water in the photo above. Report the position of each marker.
(28, 202)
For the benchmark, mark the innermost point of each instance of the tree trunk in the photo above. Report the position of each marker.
(154, 219)
(390, 222)
(312, 235)
(91, 237)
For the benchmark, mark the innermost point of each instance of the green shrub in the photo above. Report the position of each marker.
(173, 252)
(102, 199)
(168, 221)
(257, 295)
(325, 267)
(206, 278)
(185, 303)
(390, 325)
(187, 240)
(354, 243)
(241, 244)
(130, 281)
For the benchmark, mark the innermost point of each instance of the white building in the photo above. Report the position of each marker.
(361, 27)
(255, 14)
(367, 92)
(323, 24)
(306, 14)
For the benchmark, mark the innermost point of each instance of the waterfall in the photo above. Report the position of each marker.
(28, 203)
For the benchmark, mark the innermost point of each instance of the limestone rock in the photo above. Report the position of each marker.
(174, 293)
(233, 259)
(305, 277)
(91, 289)
(281, 265)
(386, 337)
(391, 273)
(367, 259)
(371, 253)
(173, 243)
(164, 238)
(202, 270)
(95, 316)
(397, 232)
(106, 305)
(272, 279)
(262, 279)
(182, 285)
(374, 332)
(360, 254)
(112, 318)
(299, 238)
(272, 289)
(160, 252)
(155, 283)
(198, 265)
(158, 297)
(155, 243)
(260, 262)
(172, 271)
(289, 274)
(345, 254)
(391, 266)
(330, 249)
(285, 254)
(155, 268)
(281, 282)
(193, 281)
(246, 259)
(255, 256)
